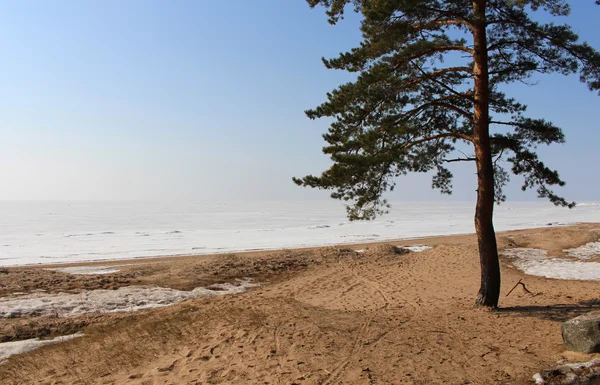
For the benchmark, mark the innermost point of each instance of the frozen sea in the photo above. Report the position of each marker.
(63, 232)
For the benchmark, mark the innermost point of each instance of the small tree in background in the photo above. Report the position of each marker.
(429, 77)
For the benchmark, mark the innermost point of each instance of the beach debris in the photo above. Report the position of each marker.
(517, 284)
(582, 334)
(124, 299)
(12, 348)
(585, 373)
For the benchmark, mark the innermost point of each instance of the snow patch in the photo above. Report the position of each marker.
(539, 380)
(8, 349)
(536, 262)
(417, 248)
(587, 251)
(85, 270)
(124, 299)
(360, 251)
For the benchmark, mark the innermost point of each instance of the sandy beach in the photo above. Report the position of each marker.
(366, 314)
(317, 192)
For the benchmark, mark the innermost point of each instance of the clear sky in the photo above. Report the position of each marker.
(204, 100)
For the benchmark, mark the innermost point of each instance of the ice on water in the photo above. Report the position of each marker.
(62, 232)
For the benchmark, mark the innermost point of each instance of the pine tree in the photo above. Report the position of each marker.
(410, 111)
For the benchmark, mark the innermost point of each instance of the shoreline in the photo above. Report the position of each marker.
(40, 235)
(250, 252)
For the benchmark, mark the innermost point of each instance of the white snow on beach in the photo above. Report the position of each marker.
(86, 270)
(67, 232)
(8, 349)
(417, 248)
(587, 251)
(124, 299)
(536, 262)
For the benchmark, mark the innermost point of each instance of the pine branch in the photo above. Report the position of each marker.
(451, 69)
(501, 44)
(514, 124)
(460, 111)
(468, 96)
(434, 23)
(439, 49)
(458, 17)
(455, 135)
(435, 74)
(459, 160)
(555, 40)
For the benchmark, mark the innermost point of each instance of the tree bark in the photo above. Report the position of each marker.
(489, 291)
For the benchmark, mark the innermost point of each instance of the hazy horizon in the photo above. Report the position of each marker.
(204, 101)
(442, 199)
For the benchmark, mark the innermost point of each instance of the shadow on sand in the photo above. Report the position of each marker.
(558, 312)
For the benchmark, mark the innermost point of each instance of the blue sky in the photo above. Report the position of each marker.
(199, 100)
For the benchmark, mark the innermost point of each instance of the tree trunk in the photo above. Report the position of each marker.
(489, 292)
